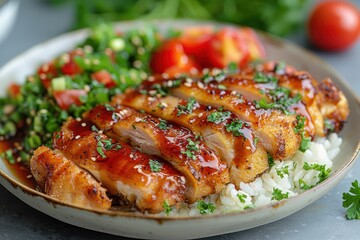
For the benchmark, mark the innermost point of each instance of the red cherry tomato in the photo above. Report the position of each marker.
(255, 47)
(14, 90)
(47, 72)
(227, 45)
(189, 67)
(194, 39)
(170, 54)
(66, 98)
(334, 25)
(104, 77)
(71, 68)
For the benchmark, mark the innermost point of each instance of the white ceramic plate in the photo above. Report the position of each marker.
(135, 225)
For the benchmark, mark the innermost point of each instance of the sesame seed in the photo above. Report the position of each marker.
(151, 79)
(137, 64)
(200, 114)
(83, 124)
(233, 93)
(165, 75)
(140, 50)
(29, 176)
(164, 104)
(248, 148)
(93, 158)
(192, 120)
(96, 61)
(189, 80)
(138, 119)
(201, 85)
(194, 71)
(87, 61)
(77, 137)
(18, 159)
(169, 83)
(78, 119)
(132, 156)
(152, 92)
(151, 99)
(187, 84)
(100, 131)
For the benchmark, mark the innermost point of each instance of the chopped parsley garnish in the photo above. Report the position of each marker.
(303, 185)
(8, 155)
(167, 208)
(242, 197)
(205, 208)
(143, 91)
(191, 149)
(105, 144)
(278, 195)
(281, 100)
(329, 125)
(155, 166)
(262, 78)
(109, 108)
(256, 140)
(270, 160)
(351, 201)
(188, 108)
(282, 171)
(323, 171)
(262, 103)
(232, 68)
(163, 125)
(299, 128)
(94, 128)
(305, 143)
(221, 87)
(235, 127)
(162, 91)
(218, 117)
(280, 68)
(218, 77)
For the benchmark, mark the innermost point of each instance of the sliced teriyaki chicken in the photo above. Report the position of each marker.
(60, 178)
(274, 129)
(333, 106)
(325, 103)
(245, 158)
(205, 173)
(145, 181)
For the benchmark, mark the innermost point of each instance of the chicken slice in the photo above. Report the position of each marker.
(325, 103)
(204, 172)
(274, 129)
(60, 178)
(245, 159)
(145, 181)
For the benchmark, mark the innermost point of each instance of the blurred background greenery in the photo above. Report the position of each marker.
(279, 17)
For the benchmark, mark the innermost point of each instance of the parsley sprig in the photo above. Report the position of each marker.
(218, 117)
(352, 201)
(279, 195)
(187, 108)
(205, 208)
(191, 149)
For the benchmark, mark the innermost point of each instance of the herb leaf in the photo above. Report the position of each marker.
(155, 166)
(205, 208)
(191, 149)
(351, 201)
(188, 108)
(218, 117)
(323, 171)
(167, 208)
(235, 127)
(278, 195)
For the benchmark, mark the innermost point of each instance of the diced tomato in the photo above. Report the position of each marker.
(170, 54)
(194, 39)
(14, 90)
(189, 67)
(47, 72)
(71, 68)
(227, 45)
(256, 49)
(66, 98)
(104, 77)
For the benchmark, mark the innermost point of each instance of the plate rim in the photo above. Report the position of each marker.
(160, 219)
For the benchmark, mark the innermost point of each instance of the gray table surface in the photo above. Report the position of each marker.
(324, 219)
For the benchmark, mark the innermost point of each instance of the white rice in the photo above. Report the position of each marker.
(260, 191)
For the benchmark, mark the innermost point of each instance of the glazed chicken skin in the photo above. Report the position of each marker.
(205, 173)
(274, 129)
(60, 178)
(142, 180)
(245, 158)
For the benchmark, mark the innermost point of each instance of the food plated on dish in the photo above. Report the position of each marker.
(200, 136)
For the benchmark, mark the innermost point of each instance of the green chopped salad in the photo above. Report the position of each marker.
(106, 63)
